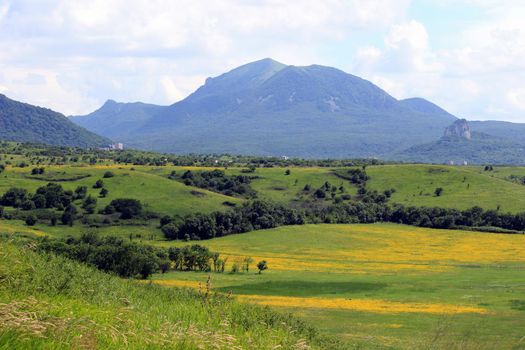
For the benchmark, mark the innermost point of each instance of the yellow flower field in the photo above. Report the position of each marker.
(365, 305)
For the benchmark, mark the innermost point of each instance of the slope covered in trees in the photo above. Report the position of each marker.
(27, 123)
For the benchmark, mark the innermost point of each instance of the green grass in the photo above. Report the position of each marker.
(48, 302)
(158, 193)
(387, 263)
(463, 187)
(272, 183)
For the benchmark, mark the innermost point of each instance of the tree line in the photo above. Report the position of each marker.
(258, 214)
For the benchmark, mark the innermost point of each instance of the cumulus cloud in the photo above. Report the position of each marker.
(158, 51)
(478, 77)
(71, 55)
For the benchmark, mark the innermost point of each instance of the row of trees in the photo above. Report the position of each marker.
(258, 214)
(113, 254)
(250, 216)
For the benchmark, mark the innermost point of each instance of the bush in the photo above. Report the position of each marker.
(31, 220)
(108, 174)
(98, 184)
(128, 208)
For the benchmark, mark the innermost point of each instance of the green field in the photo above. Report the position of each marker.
(384, 285)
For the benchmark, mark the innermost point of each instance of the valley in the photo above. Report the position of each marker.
(371, 286)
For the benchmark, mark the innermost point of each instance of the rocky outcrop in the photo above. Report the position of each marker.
(459, 129)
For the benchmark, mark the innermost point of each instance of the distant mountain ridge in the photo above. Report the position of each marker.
(269, 108)
(27, 123)
(460, 145)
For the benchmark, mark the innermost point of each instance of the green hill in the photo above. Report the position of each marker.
(26, 123)
(48, 302)
(157, 193)
(463, 187)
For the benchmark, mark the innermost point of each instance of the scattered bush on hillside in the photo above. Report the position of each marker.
(218, 181)
(128, 208)
(98, 184)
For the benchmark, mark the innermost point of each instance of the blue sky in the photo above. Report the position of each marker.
(467, 56)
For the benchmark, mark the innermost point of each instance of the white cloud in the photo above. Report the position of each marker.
(480, 76)
(160, 51)
(156, 51)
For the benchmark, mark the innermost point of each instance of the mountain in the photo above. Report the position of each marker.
(507, 130)
(268, 108)
(426, 107)
(27, 123)
(460, 144)
(115, 119)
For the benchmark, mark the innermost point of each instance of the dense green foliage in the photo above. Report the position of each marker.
(27, 123)
(216, 180)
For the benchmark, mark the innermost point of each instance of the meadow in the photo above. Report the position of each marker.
(377, 286)
(382, 285)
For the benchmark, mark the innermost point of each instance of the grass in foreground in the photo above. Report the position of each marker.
(49, 302)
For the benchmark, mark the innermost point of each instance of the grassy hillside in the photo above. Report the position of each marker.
(463, 187)
(377, 286)
(48, 302)
(158, 193)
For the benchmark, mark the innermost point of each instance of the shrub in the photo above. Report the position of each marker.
(108, 174)
(127, 207)
(98, 184)
(262, 265)
(31, 220)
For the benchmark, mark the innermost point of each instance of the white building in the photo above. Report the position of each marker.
(117, 146)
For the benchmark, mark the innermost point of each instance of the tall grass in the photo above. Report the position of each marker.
(55, 303)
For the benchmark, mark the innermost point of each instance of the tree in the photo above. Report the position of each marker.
(170, 230)
(246, 263)
(319, 193)
(37, 171)
(39, 200)
(165, 220)
(80, 192)
(127, 207)
(89, 204)
(262, 265)
(31, 220)
(287, 172)
(438, 191)
(104, 192)
(14, 197)
(98, 184)
(68, 217)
